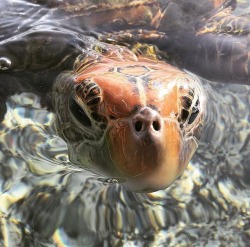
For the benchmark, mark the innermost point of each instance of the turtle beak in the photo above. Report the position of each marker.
(146, 150)
(145, 141)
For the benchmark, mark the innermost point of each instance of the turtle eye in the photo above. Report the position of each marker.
(188, 112)
(79, 113)
(194, 113)
(186, 102)
(112, 117)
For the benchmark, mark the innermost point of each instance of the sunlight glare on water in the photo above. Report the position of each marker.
(70, 207)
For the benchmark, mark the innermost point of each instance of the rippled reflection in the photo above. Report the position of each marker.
(46, 200)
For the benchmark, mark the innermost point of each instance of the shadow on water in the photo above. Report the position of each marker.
(46, 201)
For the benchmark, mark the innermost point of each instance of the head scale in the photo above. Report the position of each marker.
(129, 117)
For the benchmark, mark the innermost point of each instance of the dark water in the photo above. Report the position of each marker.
(47, 201)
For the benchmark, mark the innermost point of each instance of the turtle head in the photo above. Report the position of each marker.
(136, 121)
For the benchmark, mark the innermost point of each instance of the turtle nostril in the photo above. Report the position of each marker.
(138, 126)
(156, 125)
(146, 122)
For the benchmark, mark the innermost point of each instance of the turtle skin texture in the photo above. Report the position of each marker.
(133, 118)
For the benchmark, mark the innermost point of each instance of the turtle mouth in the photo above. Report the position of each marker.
(139, 139)
(145, 148)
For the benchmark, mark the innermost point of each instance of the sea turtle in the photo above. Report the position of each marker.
(126, 106)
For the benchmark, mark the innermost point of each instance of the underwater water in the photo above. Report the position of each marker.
(47, 201)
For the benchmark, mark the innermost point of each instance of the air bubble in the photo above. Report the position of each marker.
(5, 63)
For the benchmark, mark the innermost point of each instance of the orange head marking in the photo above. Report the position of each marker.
(151, 115)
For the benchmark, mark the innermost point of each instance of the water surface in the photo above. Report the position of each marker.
(47, 201)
